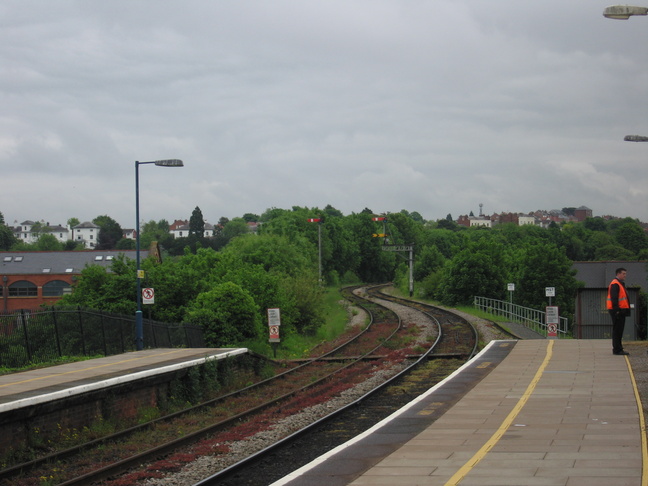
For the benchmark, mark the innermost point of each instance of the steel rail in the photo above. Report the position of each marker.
(232, 469)
(164, 449)
(122, 434)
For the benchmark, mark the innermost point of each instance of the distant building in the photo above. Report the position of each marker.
(525, 220)
(583, 213)
(86, 233)
(32, 279)
(30, 231)
(182, 231)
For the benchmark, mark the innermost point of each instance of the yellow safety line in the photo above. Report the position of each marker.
(642, 428)
(87, 369)
(481, 453)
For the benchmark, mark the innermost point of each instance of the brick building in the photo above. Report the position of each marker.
(31, 279)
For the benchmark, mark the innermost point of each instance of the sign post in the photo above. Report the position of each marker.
(274, 322)
(511, 289)
(552, 317)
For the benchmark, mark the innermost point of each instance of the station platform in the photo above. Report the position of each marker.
(550, 413)
(29, 388)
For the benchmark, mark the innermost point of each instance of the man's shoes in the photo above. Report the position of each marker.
(621, 353)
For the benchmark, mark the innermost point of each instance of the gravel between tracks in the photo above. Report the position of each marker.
(208, 465)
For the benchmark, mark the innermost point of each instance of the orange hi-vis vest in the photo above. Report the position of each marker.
(624, 303)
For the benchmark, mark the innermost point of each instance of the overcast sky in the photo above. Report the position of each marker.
(425, 105)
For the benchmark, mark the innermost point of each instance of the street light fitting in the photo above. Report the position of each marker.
(635, 138)
(164, 163)
(623, 12)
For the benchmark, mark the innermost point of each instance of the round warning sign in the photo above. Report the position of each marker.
(148, 296)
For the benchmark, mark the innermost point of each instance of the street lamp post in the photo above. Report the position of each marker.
(139, 321)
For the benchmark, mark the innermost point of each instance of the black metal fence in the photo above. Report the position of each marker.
(28, 337)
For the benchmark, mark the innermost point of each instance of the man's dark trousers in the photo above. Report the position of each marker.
(618, 324)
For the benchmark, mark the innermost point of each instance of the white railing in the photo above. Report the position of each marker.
(531, 318)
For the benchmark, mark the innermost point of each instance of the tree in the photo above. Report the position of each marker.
(631, 236)
(227, 314)
(109, 232)
(544, 265)
(197, 224)
(250, 218)
(7, 238)
(477, 270)
(48, 242)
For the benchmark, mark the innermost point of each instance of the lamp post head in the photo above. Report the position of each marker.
(163, 163)
(635, 138)
(623, 12)
(169, 163)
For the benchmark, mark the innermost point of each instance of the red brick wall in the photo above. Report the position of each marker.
(10, 304)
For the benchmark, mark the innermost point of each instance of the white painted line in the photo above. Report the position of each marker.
(316, 462)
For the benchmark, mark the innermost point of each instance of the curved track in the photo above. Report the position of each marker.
(456, 342)
(232, 408)
(318, 377)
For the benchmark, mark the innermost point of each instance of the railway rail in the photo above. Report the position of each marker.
(456, 342)
(318, 377)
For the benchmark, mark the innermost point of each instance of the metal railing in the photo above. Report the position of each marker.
(37, 336)
(531, 318)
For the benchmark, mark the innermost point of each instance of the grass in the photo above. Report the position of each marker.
(297, 346)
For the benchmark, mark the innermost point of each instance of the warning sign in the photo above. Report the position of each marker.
(274, 334)
(274, 321)
(148, 296)
(552, 319)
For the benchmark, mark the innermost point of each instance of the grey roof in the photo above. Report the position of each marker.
(58, 262)
(86, 224)
(599, 274)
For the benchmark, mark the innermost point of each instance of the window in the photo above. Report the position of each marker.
(98, 258)
(23, 288)
(47, 270)
(7, 259)
(18, 259)
(55, 288)
(69, 270)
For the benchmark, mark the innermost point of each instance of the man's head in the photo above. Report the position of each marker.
(621, 273)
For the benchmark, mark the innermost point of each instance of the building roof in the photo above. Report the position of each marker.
(58, 262)
(86, 224)
(600, 274)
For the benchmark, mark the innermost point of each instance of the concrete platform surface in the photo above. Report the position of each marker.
(552, 413)
(45, 384)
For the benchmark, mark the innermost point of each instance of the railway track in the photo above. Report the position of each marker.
(247, 409)
(456, 342)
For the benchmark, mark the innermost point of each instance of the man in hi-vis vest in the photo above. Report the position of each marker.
(618, 306)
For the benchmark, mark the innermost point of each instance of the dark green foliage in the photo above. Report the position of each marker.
(109, 232)
(227, 314)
